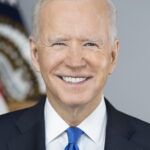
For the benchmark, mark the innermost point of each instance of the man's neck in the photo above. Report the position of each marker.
(74, 115)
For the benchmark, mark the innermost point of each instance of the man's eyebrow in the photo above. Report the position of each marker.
(97, 40)
(57, 39)
(61, 38)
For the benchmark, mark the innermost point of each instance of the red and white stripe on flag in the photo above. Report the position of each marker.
(3, 105)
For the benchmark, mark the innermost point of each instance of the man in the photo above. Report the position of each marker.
(75, 49)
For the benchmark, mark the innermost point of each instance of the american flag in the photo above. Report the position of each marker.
(20, 82)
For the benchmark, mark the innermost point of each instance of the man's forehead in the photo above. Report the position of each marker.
(101, 2)
(76, 17)
(84, 6)
(68, 0)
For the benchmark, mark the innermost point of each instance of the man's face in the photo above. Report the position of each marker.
(74, 53)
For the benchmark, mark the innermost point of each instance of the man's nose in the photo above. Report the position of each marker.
(75, 58)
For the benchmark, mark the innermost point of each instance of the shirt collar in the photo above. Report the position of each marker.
(93, 125)
(54, 124)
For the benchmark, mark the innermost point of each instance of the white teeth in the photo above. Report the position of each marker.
(73, 80)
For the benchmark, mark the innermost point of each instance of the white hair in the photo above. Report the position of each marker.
(112, 18)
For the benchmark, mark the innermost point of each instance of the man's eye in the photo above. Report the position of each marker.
(58, 44)
(90, 44)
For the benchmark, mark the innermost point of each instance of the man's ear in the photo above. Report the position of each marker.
(114, 55)
(34, 53)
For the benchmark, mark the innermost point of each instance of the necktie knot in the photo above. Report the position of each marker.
(74, 134)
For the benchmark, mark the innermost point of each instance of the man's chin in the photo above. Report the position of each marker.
(74, 103)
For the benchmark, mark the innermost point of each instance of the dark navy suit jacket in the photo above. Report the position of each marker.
(25, 130)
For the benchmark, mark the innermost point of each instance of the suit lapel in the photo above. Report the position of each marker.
(119, 133)
(31, 130)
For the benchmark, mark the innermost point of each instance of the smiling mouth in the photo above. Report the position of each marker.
(75, 80)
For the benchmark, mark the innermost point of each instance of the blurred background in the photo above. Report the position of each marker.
(128, 87)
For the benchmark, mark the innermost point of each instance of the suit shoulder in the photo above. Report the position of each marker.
(8, 127)
(15, 123)
(136, 130)
(140, 129)
(13, 116)
(126, 118)
(136, 122)
(10, 118)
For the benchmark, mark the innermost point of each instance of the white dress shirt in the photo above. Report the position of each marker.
(94, 127)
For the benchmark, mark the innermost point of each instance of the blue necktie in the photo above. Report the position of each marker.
(74, 134)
